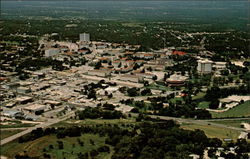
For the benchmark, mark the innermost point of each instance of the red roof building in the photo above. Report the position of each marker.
(181, 53)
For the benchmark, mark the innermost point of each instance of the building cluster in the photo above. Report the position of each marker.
(123, 64)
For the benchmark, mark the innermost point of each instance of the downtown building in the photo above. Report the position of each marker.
(84, 37)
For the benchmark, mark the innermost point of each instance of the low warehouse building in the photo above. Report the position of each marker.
(12, 113)
(34, 108)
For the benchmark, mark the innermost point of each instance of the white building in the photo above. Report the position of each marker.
(204, 66)
(51, 52)
(84, 37)
(220, 65)
(132, 78)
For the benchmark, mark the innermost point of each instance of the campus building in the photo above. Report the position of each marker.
(204, 66)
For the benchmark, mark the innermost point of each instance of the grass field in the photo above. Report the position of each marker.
(234, 123)
(242, 110)
(15, 124)
(203, 105)
(7, 133)
(158, 87)
(70, 147)
(213, 131)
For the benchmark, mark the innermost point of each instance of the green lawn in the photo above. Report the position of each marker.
(213, 131)
(242, 110)
(41, 145)
(7, 133)
(203, 105)
(199, 96)
(234, 123)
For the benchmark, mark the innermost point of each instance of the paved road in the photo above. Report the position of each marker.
(227, 119)
(199, 122)
(42, 125)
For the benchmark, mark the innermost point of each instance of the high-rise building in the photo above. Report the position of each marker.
(84, 37)
(204, 66)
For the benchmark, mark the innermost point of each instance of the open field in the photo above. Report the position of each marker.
(213, 131)
(70, 147)
(6, 133)
(242, 110)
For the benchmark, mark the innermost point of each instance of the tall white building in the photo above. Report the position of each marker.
(204, 66)
(84, 37)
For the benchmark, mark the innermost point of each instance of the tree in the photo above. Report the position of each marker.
(150, 69)
(213, 93)
(215, 142)
(145, 83)
(154, 78)
(110, 63)
(92, 94)
(214, 104)
(135, 110)
(136, 66)
(103, 149)
(224, 72)
(120, 65)
(146, 91)
(132, 92)
(165, 76)
(108, 106)
(98, 65)
(60, 144)
(110, 95)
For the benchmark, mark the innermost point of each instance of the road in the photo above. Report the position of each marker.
(199, 122)
(42, 125)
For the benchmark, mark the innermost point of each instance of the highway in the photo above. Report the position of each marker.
(198, 122)
(42, 125)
